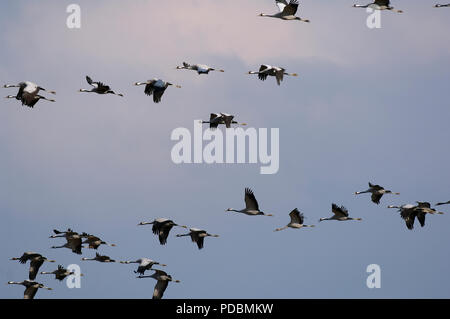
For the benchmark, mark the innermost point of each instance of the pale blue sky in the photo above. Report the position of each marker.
(369, 105)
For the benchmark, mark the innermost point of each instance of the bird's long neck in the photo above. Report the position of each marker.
(14, 283)
(146, 223)
(234, 210)
(268, 15)
(86, 91)
(281, 228)
(361, 5)
(363, 192)
(182, 235)
(253, 72)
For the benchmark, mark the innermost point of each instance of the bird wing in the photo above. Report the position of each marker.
(157, 95)
(149, 88)
(291, 8)
(20, 92)
(213, 116)
(101, 86)
(160, 287)
(382, 3)
(376, 197)
(421, 217)
(30, 291)
(164, 233)
(160, 272)
(145, 262)
(199, 242)
(281, 4)
(279, 75)
(424, 204)
(263, 69)
(27, 256)
(89, 80)
(228, 119)
(408, 216)
(250, 201)
(376, 187)
(296, 217)
(75, 243)
(29, 99)
(35, 264)
(339, 211)
(214, 120)
(196, 238)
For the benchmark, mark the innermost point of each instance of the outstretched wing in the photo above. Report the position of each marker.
(382, 3)
(376, 197)
(376, 187)
(149, 88)
(296, 217)
(160, 287)
(408, 216)
(197, 239)
(34, 268)
(339, 211)
(279, 75)
(262, 75)
(228, 119)
(27, 256)
(89, 80)
(291, 8)
(421, 218)
(214, 120)
(164, 233)
(281, 4)
(157, 95)
(30, 292)
(250, 201)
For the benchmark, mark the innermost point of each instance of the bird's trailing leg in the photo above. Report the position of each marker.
(44, 98)
(48, 91)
